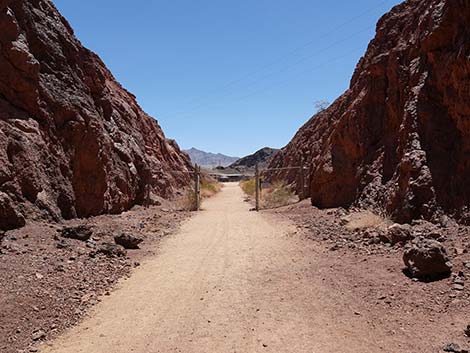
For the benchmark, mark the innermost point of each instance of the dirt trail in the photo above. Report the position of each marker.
(230, 281)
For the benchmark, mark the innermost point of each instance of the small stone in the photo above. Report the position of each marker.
(62, 244)
(458, 287)
(38, 335)
(81, 232)
(110, 250)
(399, 233)
(452, 347)
(128, 241)
(467, 331)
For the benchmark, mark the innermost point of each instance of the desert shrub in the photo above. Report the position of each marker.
(364, 219)
(248, 186)
(188, 201)
(209, 187)
(279, 194)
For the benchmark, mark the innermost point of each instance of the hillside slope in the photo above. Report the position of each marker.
(73, 142)
(399, 137)
(262, 157)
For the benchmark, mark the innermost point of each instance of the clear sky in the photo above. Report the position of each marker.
(228, 76)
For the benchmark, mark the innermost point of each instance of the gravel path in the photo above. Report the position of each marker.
(230, 281)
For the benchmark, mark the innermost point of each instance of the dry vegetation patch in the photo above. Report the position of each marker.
(248, 186)
(364, 220)
(209, 187)
(275, 195)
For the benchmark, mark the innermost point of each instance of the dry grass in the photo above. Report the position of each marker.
(279, 194)
(363, 220)
(249, 186)
(188, 201)
(209, 187)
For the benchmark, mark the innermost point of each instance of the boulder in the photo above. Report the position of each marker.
(426, 258)
(128, 241)
(10, 217)
(399, 233)
(81, 232)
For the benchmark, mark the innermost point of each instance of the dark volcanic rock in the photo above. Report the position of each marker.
(262, 157)
(110, 250)
(82, 232)
(128, 241)
(73, 142)
(426, 258)
(399, 137)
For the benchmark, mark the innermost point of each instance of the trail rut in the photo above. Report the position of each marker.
(230, 281)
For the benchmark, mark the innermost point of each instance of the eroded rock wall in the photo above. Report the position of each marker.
(399, 137)
(73, 142)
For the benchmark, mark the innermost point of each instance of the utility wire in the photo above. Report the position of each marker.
(280, 59)
(284, 69)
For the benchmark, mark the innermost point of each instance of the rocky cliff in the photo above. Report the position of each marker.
(399, 137)
(73, 142)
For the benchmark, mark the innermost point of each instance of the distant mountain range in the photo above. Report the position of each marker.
(208, 159)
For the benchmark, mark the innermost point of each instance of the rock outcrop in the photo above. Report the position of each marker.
(399, 137)
(73, 142)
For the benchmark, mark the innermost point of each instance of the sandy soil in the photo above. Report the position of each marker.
(48, 283)
(238, 281)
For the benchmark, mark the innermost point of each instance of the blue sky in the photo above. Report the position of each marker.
(228, 76)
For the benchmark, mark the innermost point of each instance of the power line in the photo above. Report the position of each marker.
(284, 69)
(290, 53)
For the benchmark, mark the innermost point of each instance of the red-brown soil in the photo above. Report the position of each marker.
(368, 278)
(47, 283)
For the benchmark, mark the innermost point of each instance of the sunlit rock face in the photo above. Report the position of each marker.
(399, 138)
(73, 141)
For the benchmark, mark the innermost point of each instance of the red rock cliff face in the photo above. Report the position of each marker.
(73, 142)
(399, 138)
